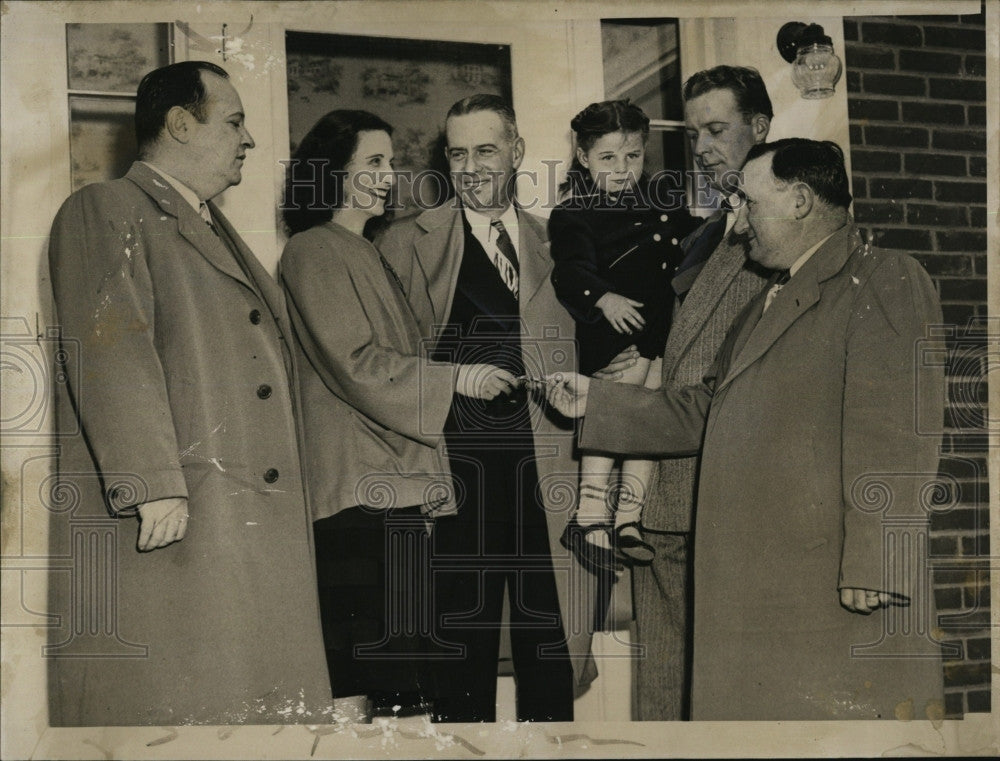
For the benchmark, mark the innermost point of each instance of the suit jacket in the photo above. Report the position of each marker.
(813, 478)
(179, 386)
(426, 252)
(715, 291)
(369, 442)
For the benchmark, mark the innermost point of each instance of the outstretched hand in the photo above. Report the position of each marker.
(865, 601)
(567, 392)
(484, 381)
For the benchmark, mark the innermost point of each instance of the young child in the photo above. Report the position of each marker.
(615, 242)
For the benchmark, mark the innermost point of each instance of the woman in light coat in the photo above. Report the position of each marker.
(374, 409)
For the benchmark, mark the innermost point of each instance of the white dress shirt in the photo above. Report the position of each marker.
(482, 227)
(792, 270)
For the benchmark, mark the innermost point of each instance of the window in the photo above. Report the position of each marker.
(104, 64)
(642, 63)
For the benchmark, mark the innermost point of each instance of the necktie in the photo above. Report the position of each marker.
(777, 286)
(203, 210)
(505, 257)
(230, 245)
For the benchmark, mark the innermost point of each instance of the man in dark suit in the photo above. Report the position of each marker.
(812, 594)
(181, 417)
(726, 112)
(476, 272)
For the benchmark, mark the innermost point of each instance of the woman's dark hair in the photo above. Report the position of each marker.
(593, 123)
(314, 178)
(179, 84)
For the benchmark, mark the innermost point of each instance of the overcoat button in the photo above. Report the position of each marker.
(255, 316)
(263, 391)
(657, 237)
(271, 475)
(664, 217)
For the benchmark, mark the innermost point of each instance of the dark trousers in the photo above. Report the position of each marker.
(374, 577)
(498, 541)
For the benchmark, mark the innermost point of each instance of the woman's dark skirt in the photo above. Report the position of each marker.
(374, 581)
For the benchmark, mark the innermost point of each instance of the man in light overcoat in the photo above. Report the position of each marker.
(188, 591)
(819, 425)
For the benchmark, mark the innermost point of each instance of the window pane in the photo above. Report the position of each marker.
(101, 139)
(642, 63)
(665, 149)
(114, 57)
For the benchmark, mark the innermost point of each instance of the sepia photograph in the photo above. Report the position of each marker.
(499, 378)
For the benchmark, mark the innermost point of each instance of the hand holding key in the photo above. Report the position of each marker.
(567, 392)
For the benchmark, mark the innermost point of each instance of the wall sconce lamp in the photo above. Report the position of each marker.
(815, 67)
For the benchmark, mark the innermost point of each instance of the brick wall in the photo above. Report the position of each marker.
(917, 107)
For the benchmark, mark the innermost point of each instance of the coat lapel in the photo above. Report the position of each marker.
(265, 284)
(439, 252)
(718, 272)
(698, 247)
(797, 296)
(535, 265)
(190, 225)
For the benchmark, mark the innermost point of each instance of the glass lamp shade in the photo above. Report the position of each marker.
(816, 70)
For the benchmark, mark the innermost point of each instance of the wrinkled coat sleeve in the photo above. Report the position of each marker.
(575, 272)
(104, 302)
(887, 464)
(405, 393)
(632, 420)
